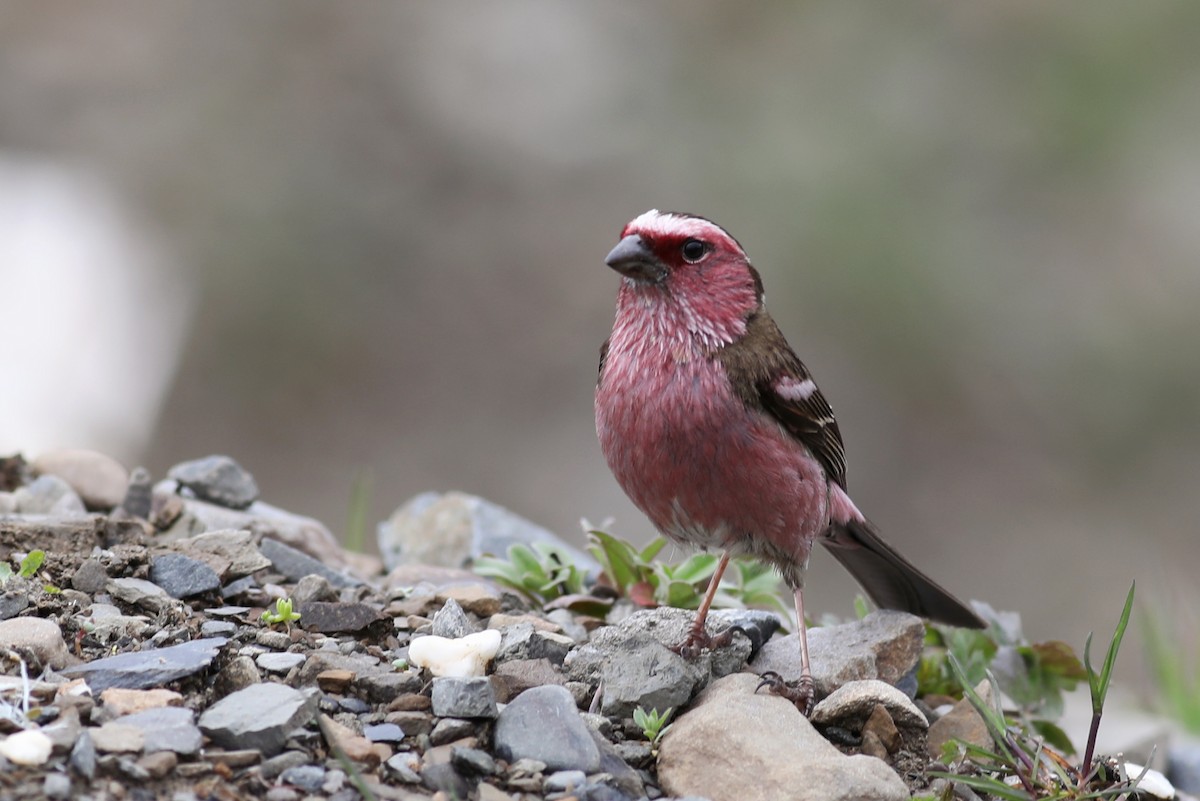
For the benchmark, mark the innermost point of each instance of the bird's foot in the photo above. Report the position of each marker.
(803, 693)
(698, 639)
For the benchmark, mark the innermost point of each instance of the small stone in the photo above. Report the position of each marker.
(335, 681)
(240, 673)
(963, 722)
(56, 785)
(158, 764)
(181, 576)
(90, 577)
(455, 697)
(36, 636)
(880, 724)
(449, 730)
(356, 747)
(308, 778)
(269, 638)
(444, 779)
(28, 747)
(279, 662)
(523, 641)
(313, 588)
(472, 761)
(451, 621)
(850, 705)
(48, 495)
(83, 756)
(404, 766)
(13, 604)
(260, 716)
(282, 794)
(414, 723)
(564, 781)
(217, 628)
(230, 552)
(218, 479)
(276, 765)
(466, 656)
(139, 592)
(489, 792)
(118, 738)
(119, 701)
(341, 618)
(872, 746)
(355, 706)
(99, 480)
(139, 494)
(518, 675)
(383, 733)
(149, 668)
(166, 729)
(543, 724)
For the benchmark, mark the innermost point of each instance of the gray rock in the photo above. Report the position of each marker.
(850, 705)
(443, 778)
(472, 761)
(139, 494)
(218, 479)
(543, 724)
(217, 628)
(635, 661)
(56, 785)
(139, 592)
(166, 729)
(295, 564)
(403, 766)
(230, 552)
(452, 529)
(258, 717)
(1183, 765)
(313, 588)
(563, 781)
(381, 685)
(181, 576)
(13, 604)
(279, 662)
(342, 618)
(463, 698)
(884, 645)
(451, 621)
(524, 641)
(238, 674)
(83, 756)
(449, 730)
(613, 763)
(722, 748)
(36, 636)
(962, 722)
(276, 765)
(99, 480)
(90, 577)
(383, 733)
(141, 670)
(757, 624)
(48, 495)
(308, 778)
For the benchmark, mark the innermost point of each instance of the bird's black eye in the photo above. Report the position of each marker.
(694, 250)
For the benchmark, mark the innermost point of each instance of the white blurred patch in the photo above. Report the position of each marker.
(93, 315)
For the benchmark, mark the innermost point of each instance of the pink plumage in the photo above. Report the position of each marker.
(718, 433)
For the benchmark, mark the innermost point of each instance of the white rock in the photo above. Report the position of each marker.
(1153, 783)
(462, 658)
(29, 747)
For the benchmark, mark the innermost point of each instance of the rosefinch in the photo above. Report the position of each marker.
(715, 429)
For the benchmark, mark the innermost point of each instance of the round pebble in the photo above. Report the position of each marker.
(279, 662)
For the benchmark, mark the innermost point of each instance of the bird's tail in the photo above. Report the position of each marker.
(892, 581)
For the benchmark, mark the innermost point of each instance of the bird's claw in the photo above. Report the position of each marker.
(803, 694)
(698, 639)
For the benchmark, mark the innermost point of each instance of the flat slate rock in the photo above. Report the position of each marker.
(341, 618)
(142, 670)
(295, 564)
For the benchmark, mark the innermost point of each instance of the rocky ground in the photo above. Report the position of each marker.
(136, 663)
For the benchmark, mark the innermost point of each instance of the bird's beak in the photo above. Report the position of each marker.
(633, 258)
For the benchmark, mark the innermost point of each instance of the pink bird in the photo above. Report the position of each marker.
(716, 430)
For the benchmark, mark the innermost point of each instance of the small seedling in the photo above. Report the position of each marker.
(283, 613)
(652, 724)
(28, 569)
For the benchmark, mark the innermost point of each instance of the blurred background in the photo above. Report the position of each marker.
(365, 241)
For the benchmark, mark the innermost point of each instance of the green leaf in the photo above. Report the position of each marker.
(1054, 736)
(1099, 684)
(32, 563)
(986, 784)
(650, 551)
(695, 569)
(6, 572)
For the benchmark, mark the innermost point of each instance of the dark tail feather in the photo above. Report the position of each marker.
(891, 580)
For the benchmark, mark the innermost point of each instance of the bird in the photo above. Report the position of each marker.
(718, 433)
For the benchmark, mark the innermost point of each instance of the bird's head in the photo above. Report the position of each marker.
(673, 258)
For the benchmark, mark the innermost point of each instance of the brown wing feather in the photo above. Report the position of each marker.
(756, 363)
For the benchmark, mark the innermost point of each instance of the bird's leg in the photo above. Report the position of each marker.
(698, 639)
(804, 693)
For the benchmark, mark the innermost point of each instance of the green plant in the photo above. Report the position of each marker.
(634, 573)
(652, 723)
(1034, 770)
(283, 613)
(30, 564)
(541, 571)
(357, 514)
(1175, 666)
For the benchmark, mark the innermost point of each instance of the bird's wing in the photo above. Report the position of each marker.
(768, 374)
